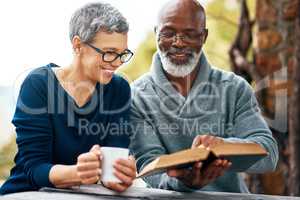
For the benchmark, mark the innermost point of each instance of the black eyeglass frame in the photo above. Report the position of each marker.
(118, 55)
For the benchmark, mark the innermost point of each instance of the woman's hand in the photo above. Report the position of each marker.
(125, 170)
(88, 166)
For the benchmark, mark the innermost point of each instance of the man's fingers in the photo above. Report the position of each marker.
(208, 173)
(198, 165)
(172, 172)
(223, 166)
(220, 172)
(179, 173)
(196, 172)
(227, 164)
(217, 168)
(196, 141)
(208, 140)
(216, 173)
(204, 140)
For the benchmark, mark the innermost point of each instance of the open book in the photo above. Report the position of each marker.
(242, 156)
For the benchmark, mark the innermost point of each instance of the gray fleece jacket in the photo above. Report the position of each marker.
(220, 103)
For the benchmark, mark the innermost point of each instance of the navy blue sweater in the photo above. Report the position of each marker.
(52, 129)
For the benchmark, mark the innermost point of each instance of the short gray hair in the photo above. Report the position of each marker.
(93, 17)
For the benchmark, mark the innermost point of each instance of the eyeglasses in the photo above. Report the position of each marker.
(170, 35)
(110, 56)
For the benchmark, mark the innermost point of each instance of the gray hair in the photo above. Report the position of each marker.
(93, 17)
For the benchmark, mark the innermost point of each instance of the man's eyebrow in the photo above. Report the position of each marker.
(190, 30)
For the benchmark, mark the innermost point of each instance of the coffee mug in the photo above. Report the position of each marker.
(110, 156)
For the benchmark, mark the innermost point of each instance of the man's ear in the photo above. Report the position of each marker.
(205, 35)
(76, 44)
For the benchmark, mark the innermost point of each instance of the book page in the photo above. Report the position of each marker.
(175, 160)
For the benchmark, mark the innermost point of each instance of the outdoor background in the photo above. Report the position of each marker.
(35, 33)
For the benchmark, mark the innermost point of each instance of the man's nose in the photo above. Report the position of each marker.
(178, 41)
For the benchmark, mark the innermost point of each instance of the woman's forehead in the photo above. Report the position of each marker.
(111, 41)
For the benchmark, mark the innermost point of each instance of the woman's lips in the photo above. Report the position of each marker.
(108, 71)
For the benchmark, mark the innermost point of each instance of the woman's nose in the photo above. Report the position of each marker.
(117, 63)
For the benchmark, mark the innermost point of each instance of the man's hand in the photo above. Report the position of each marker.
(198, 177)
(125, 170)
(207, 141)
(89, 166)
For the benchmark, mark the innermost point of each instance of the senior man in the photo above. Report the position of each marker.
(184, 102)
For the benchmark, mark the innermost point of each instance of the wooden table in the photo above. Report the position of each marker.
(135, 193)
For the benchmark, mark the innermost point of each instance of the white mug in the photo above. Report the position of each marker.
(110, 155)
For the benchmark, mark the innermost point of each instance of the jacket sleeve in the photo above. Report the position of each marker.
(249, 126)
(34, 131)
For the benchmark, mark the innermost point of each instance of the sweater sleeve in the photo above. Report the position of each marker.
(249, 126)
(145, 145)
(34, 131)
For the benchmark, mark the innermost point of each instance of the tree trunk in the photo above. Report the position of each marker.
(294, 138)
(274, 60)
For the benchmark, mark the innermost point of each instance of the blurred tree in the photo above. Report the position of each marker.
(271, 69)
(294, 138)
(222, 23)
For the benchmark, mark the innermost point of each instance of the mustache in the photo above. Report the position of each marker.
(174, 50)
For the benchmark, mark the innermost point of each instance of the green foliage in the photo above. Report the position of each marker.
(7, 154)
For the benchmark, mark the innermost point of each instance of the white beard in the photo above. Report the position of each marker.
(181, 70)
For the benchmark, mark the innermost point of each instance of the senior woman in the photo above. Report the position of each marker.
(64, 114)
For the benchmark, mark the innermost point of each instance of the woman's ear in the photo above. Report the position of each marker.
(76, 43)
